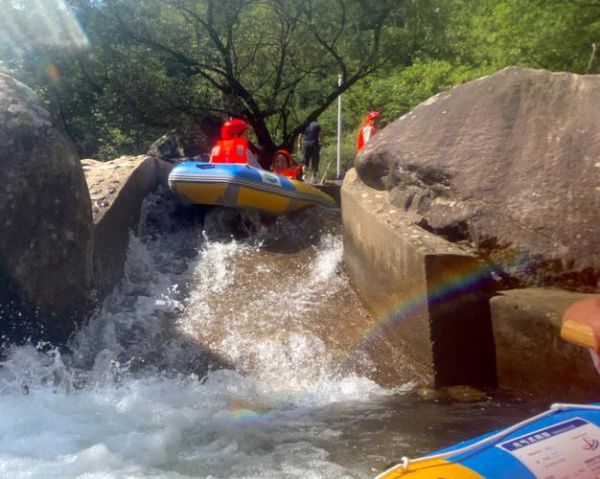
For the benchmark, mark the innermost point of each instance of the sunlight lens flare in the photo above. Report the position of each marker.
(38, 25)
(462, 279)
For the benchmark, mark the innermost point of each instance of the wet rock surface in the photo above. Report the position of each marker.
(459, 394)
(117, 190)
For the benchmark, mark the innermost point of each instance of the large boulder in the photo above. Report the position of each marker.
(46, 218)
(118, 189)
(508, 164)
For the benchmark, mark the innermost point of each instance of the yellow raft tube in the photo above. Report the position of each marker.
(243, 186)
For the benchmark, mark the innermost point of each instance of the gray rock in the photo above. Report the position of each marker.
(119, 187)
(192, 140)
(510, 164)
(46, 218)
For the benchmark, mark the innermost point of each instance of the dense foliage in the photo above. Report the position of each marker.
(120, 73)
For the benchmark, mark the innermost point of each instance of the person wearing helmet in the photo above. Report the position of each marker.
(284, 165)
(234, 146)
(367, 129)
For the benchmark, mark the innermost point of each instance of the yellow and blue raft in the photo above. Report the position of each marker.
(563, 442)
(243, 186)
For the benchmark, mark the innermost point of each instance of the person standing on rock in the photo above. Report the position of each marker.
(367, 129)
(311, 141)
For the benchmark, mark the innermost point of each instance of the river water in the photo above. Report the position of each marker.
(223, 354)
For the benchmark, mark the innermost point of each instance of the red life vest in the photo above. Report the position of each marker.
(234, 150)
(293, 172)
(360, 143)
(290, 170)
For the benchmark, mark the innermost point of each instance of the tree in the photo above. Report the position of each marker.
(263, 57)
(551, 34)
(144, 66)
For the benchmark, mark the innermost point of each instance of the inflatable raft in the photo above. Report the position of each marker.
(561, 443)
(242, 186)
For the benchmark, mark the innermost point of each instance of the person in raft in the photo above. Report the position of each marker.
(284, 165)
(367, 129)
(581, 325)
(234, 146)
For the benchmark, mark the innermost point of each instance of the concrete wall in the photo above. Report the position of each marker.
(431, 299)
(531, 356)
(427, 294)
(332, 188)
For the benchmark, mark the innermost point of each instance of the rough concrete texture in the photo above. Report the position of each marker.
(45, 219)
(508, 163)
(530, 354)
(427, 294)
(117, 190)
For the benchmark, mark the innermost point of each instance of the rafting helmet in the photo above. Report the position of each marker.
(232, 128)
(286, 154)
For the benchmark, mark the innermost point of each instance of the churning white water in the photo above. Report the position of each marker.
(212, 359)
(198, 364)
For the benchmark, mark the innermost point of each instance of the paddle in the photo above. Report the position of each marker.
(581, 323)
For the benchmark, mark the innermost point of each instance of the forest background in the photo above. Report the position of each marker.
(121, 73)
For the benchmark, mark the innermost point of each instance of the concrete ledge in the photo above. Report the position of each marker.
(531, 356)
(332, 188)
(427, 294)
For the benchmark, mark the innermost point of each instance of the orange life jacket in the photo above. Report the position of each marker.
(234, 150)
(292, 169)
(293, 172)
(360, 143)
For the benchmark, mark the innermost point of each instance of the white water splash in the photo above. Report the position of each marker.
(139, 397)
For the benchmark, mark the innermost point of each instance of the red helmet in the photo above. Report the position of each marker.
(285, 153)
(288, 158)
(373, 114)
(233, 127)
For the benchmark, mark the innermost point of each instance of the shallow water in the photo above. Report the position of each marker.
(213, 360)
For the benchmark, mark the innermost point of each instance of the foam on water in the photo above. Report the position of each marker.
(202, 363)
